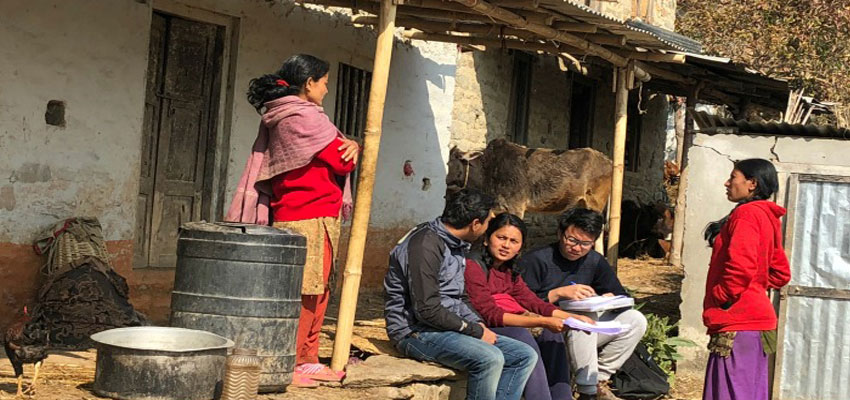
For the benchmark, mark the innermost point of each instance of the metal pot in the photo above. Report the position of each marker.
(159, 363)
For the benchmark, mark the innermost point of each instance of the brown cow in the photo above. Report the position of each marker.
(538, 180)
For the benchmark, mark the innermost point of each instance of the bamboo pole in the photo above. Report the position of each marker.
(620, 121)
(365, 184)
(677, 241)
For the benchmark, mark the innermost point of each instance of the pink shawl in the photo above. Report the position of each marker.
(291, 133)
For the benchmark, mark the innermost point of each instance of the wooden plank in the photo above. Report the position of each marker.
(150, 134)
(791, 202)
(822, 293)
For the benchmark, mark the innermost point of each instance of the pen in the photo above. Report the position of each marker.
(572, 283)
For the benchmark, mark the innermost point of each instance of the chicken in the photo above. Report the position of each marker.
(25, 344)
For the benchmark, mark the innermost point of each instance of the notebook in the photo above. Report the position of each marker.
(605, 327)
(597, 303)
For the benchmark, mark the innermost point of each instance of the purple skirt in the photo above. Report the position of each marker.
(742, 375)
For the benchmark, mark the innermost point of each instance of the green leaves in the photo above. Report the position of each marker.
(662, 347)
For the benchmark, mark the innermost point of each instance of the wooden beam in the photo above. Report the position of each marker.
(483, 41)
(521, 4)
(665, 74)
(437, 26)
(604, 38)
(365, 185)
(373, 8)
(574, 27)
(536, 16)
(620, 122)
(544, 31)
(653, 57)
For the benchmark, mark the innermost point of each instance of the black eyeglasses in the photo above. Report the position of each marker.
(573, 241)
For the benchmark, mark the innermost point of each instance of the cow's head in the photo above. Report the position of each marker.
(464, 170)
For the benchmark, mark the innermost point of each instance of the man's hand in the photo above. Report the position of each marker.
(609, 294)
(574, 292)
(489, 336)
(350, 150)
(553, 324)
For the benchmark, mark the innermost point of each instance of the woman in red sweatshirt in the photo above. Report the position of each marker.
(508, 307)
(298, 178)
(747, 259)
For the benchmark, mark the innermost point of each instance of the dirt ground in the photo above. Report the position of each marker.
(69, 376)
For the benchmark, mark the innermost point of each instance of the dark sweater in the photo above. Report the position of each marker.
(545, 269)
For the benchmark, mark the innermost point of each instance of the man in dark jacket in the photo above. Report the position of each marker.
(428, 314)
(571, 270)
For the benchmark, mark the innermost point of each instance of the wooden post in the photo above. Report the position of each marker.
(620, 120)
(365, 184)
(677, 241)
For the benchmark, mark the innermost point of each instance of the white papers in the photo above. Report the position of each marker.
(597, 303)
(606, 327)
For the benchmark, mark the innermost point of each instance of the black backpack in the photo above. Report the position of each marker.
(640, 377)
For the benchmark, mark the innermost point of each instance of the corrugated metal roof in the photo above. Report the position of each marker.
(636, 32)
(711, 124)
(671, 38)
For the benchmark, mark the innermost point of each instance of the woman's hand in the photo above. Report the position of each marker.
(350, 150)
(553, 324)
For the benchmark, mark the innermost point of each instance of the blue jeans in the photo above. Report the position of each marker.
(493, 371)
(550, 377)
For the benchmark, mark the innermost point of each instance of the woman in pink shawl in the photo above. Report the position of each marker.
(297, 178)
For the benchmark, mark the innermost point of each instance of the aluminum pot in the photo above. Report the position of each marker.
(159, 363)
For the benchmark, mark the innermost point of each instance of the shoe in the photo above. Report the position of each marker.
(319, 372)
(603, 392)
(301, 381)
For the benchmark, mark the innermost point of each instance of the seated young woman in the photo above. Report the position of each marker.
(508, 307)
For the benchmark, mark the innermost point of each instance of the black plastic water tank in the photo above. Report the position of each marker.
(243, 282)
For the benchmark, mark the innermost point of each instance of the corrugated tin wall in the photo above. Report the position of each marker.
(816, 346)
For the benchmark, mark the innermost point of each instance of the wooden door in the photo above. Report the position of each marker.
(182, 92)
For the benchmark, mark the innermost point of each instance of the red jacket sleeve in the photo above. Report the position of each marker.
(742, 264)
(779, 271)
(528, 300)
(479, 294)
(332, 156)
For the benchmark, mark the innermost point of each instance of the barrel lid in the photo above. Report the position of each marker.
(235, 228)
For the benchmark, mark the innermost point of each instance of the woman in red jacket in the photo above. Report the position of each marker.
(747, 259)
(298, 178)
(508, 307)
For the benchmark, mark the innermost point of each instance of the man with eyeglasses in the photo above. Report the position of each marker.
(570, 269)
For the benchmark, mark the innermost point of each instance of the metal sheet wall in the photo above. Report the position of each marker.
(816, 346)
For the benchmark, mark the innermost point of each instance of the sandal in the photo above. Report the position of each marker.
(319, 372)
(301, 381)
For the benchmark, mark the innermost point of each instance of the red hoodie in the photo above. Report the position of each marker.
(747, 259)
